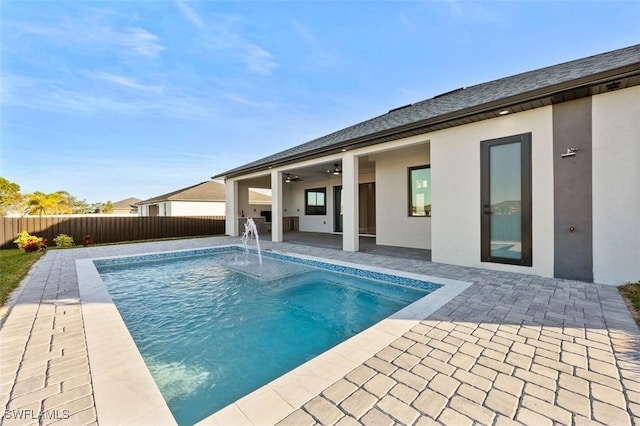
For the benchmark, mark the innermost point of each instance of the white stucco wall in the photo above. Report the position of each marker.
(455, 194)
(296, 204)
(288, 205)
(144, 210)
(186, 208)
(243, 199)
(394, 226)
(196, 208)
(616, 186)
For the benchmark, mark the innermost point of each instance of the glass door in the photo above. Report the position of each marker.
(506, 200)
(338, 209)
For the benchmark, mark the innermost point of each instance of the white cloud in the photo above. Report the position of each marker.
(304, 33)
(77, 97)
(223, 37)
(256, 58)
(124, 81)
(189, 13)
(134, 41)
(138, 41)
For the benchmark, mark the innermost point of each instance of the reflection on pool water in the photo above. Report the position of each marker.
(212, 328)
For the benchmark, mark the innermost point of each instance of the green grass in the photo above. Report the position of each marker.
(14, 266)
(631, 294)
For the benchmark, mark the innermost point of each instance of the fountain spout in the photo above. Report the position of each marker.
(251, 232)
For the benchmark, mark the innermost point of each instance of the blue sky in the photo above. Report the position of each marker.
(109, 100)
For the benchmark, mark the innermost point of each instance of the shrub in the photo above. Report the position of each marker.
(63, 241)
(86, 240)
(28, 243)
(31, 246)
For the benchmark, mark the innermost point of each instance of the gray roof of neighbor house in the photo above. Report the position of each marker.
(127, 203)
(204, 191)
(558, 83)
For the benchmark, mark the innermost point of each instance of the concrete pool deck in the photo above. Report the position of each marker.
(512, 348)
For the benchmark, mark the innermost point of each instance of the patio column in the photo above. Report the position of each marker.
(231, 207)
(350, 230)
(276, 206)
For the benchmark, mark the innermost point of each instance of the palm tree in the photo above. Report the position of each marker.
(11, 199)
(53, 203)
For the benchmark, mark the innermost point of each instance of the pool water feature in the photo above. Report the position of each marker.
(212, 329)
(250, 234)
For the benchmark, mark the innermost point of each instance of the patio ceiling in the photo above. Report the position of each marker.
(320, 171)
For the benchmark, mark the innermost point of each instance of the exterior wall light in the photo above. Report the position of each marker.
(571, 152)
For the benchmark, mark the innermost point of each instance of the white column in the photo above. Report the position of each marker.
(350, 195)
(276, 207)
(231, 207)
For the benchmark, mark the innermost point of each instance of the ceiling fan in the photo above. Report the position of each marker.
(292, 178)
(336, 170)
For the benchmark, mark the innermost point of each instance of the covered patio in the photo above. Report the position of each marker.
(367, 245)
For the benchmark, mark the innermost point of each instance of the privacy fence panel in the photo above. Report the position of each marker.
(106, 229)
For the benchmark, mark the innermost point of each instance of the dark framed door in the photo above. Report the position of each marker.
(338, 209)
(505, 195)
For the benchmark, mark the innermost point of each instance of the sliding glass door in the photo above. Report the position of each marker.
(506, 200)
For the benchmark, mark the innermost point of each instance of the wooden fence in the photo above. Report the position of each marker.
(105, 229)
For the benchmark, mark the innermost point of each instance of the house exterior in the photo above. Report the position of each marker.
(536, 173)
(203, 199)
(126, 206)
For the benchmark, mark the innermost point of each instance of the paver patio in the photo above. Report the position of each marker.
(510, 349)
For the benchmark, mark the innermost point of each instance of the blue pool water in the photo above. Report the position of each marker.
(213, 328)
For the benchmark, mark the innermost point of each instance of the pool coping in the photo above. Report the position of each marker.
(129, 395)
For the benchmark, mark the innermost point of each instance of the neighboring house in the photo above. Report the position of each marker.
(127, 206)
(203, 199)
(536, 173)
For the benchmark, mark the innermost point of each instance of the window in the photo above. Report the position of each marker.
(316, 201)
(420, 191)
(505, 194)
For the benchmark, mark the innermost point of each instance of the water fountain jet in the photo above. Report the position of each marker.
(251, 232)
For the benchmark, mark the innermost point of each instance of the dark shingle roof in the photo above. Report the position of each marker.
(127, 203)
(204, 191)
(470, 100)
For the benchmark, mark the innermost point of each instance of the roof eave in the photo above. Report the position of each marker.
(474, 113)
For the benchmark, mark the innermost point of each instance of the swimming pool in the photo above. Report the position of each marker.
(124, 390)
(212, 327)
